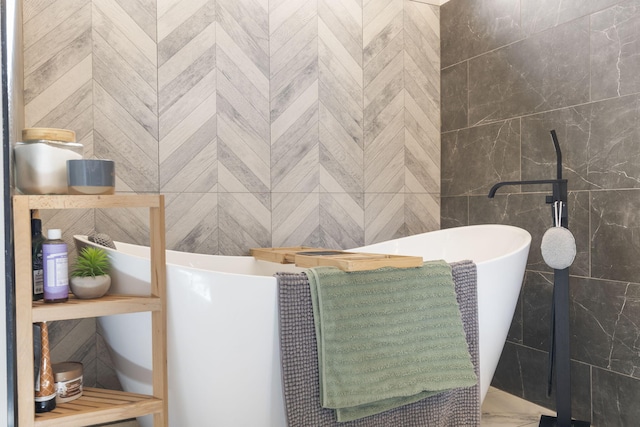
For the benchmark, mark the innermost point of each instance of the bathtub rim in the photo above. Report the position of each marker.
(518, 231)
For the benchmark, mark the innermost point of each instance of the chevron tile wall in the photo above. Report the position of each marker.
(264, 122)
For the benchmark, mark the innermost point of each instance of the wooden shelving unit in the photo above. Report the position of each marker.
(96, 405)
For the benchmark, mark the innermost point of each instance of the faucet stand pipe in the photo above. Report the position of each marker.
(560, 354)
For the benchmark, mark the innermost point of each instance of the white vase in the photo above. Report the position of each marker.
(90, 287)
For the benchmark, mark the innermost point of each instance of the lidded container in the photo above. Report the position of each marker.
(41, 160)
(68, 381)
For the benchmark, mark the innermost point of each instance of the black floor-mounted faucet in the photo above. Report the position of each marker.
(559, 354)
(559, 185)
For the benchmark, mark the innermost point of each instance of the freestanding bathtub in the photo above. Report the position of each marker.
(222, 331)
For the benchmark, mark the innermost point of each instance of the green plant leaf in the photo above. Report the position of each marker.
(91, 262)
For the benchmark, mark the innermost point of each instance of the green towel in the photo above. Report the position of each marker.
(387, 337)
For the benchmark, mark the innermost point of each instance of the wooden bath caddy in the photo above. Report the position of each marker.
(305, 256)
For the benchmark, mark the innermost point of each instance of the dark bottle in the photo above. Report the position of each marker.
(36, 259)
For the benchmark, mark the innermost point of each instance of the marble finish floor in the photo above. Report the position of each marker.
(501, 409)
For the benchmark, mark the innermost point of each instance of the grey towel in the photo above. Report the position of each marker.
(455, 408)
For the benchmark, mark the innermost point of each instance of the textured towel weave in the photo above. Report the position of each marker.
(387, 337)
(454, 408)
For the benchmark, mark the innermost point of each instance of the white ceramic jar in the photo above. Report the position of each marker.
(41, 160)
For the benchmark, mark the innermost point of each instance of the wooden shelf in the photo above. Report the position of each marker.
(96, 405)
(92, 202)
(84, 308)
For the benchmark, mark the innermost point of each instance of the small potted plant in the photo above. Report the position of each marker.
(89, 276)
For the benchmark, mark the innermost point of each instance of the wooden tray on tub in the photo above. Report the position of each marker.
(307, 257)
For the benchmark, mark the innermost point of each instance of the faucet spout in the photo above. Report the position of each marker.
(495, 188)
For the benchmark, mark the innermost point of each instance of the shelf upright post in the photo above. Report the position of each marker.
(24, 318)
(159, 318)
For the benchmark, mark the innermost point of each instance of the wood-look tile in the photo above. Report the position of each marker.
(424, 90)
(384, 159)
(54, 68)
(381, 110)
(422, 213)
(128, 84)
(70, 221)
(343, 26)
(247, 25)
(294, 155)
(341, 109)
(383, 217)
(291, 22)
(192, 222)
(191, 110)
(193, 74)
(117, 116)
(103, 25)
(186, 31)
(74, 112)
(75, 343)
(421, 63)
(243, 136)
(136, 166)
(52, 31)
(172, 14)
(120, 21)
(335, 51)
(257, 96)
(252, 73)
(307, 99)
(296, 219)
(128, 225)
(342, 220)
(236, 103)
(143, 12)
(192, 164)
(294, 76)
(50, 98)
(244, 222)
(381, 21)
(422, 163)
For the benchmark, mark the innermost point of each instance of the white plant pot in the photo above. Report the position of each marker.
(90, 287)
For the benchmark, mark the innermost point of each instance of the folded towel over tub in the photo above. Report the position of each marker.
(456, 407)
(387, 337)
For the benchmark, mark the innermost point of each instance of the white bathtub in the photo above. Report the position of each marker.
(223, 352)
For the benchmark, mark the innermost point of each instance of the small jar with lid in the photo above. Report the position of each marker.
(68, 381)
(41, 160)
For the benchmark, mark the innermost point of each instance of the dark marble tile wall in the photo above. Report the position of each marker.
(512, 71)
